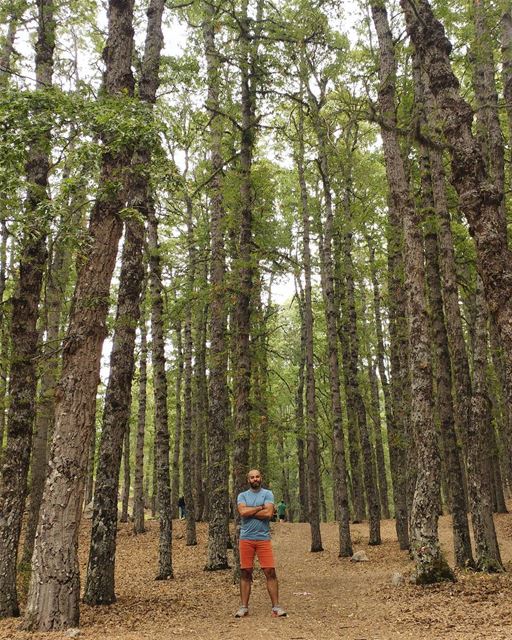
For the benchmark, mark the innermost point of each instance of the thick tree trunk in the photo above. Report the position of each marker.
(426, 551)
(56, 292)
(313, 472)
(100, 587)
(242, 364)
(24, 334)
(464, 415)
(443, 369)
(395, 439)
(163, 481)
(489, 131)
(506, 62)
(218, 495)
(479, 480)
(453, 464)
(53, 601)
(138, 489)
(480, 199)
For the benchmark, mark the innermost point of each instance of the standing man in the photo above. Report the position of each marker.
(256, 507)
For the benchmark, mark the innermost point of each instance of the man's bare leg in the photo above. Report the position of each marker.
(272, 586)
(245, 586)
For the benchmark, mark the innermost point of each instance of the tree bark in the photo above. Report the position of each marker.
(218, 494)
(313, 472)
(163, 481)
(455, 481)
(394, 426)
(100, 584)
(24, 333)
(299, 415)
(506, 62)
(176, 452)
(56, 293)
(53, 601)
(125, 498)
(430, 563)
(138, 489)
(479, 198)
(188, 443)
(479, 480)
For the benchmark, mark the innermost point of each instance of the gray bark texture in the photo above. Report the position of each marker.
(24, 333)
(479, 199)
(188, 346)
(161, 469)
(138, 482)
(430, 563)
(100, 584)
(313, 472)
(217, 436)
(54, 593)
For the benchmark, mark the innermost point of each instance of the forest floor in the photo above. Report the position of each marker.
(326, 597)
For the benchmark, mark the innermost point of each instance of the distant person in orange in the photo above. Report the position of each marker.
(256, 507)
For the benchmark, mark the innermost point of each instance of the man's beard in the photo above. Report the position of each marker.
(256, 484)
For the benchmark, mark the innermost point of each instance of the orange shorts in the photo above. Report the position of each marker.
(260, 548)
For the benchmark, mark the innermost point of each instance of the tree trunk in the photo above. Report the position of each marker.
(100, 586)
(299, 417)
(201, 406)
(243, 268)
(24, 334)
(54, 594)
(163, 481)
(479, 480)
(138, 489)
(480, 199)
(313, 472)
(430, 563)
(351, 365)
(377, 431)
(7, 46)
(464, 400)
(188, 443)
(176, 452)
(489, 131)
(125, 499)
(56, 292)
(4, 355)
(455, 482)
(506, 62)
(218, 495)
(395, 433)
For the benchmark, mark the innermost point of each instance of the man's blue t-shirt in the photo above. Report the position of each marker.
(254, 528)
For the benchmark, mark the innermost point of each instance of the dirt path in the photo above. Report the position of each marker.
(326, 597)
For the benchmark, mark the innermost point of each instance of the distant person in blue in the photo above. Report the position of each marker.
(256, 507)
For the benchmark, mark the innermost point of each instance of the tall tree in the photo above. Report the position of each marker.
(480, 200)
(138, 489)
(24, 333)
(430, 563)
(313, 471)
(218, 499)
(53, 601)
